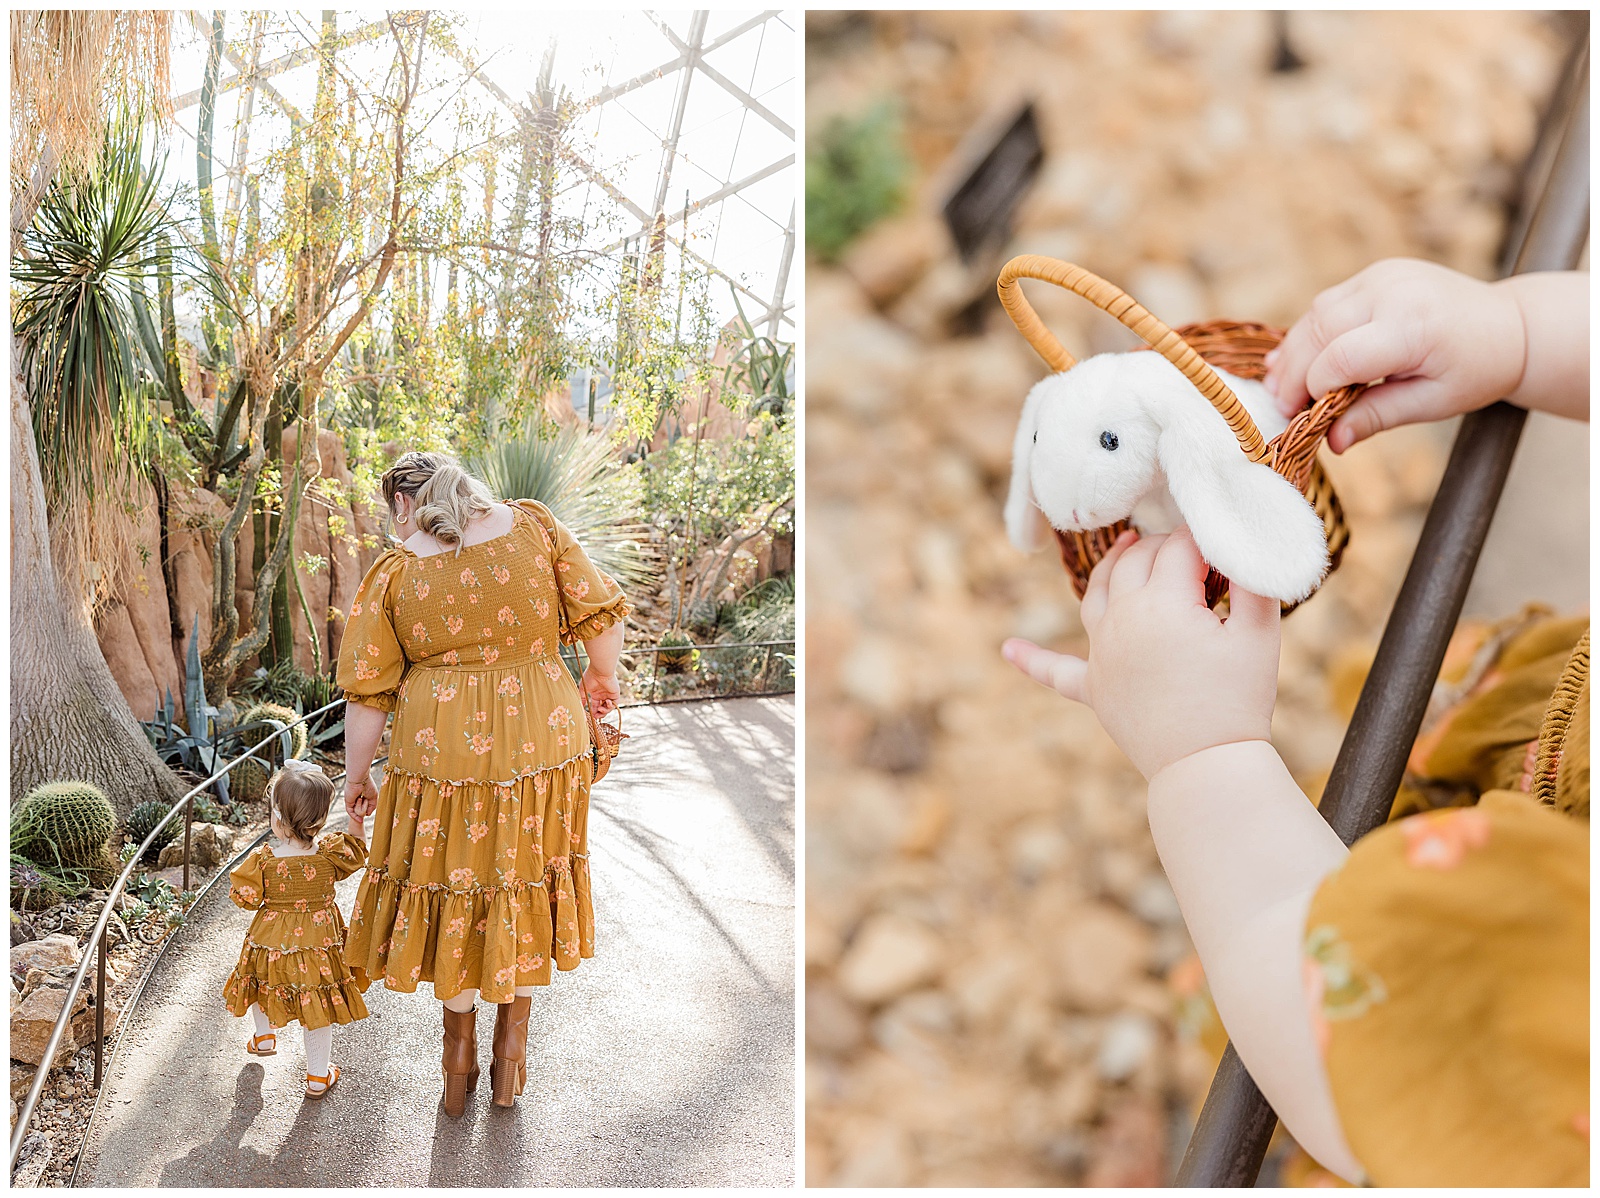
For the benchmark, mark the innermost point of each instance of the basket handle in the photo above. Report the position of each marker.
(1130, 312)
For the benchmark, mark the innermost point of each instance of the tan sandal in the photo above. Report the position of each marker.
(327, 1083)
(254, 1046)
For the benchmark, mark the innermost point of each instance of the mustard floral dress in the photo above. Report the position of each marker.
(293, 961)
(478, 876)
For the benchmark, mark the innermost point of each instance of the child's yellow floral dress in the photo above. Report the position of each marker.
(1447, 960)
(479, 874)
(293, 960)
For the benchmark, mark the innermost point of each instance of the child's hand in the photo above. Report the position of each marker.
(1165, 675)
(1445, 342)
(360, 796)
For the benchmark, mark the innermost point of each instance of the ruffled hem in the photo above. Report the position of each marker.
(595, 623)
(399, 769)
(488, 938)
(309, 1006)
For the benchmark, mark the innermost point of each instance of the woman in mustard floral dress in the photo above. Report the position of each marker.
(478, 874)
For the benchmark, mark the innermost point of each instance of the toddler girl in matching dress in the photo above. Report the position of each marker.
(292, 966)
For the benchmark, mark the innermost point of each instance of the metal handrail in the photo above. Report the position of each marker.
(1236, 1123)
(97, 938)
(652, 701)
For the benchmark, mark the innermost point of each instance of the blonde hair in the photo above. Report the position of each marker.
(300, 796)
(447, 497)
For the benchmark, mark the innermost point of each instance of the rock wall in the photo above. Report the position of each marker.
(989, 935)
(144, 627)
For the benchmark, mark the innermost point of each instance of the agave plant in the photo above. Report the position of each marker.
(760, 368)
(577, 476)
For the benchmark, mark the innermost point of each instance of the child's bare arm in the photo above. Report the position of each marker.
(1189, 698)
(1444, 343)
(1245, 852)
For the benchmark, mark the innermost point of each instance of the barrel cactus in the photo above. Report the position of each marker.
(249, 780)
(275, 711)
(64, 823)
(145, 817)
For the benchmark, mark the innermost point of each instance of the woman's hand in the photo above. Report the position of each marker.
(360, 796)
(601, 690)
(1165, 675)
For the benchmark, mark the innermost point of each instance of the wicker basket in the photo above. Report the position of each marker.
(1235, 346)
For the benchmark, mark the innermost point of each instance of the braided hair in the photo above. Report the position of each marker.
(447, 497)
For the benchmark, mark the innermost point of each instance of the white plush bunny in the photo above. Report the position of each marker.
(1095, 440)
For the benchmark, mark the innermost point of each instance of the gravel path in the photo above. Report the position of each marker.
(668, 1059)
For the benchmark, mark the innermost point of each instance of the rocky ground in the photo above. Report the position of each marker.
(46, 950)
(989, 937)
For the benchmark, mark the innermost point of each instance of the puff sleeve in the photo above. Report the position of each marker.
(1447, 972)
(591, 600)
(343, 852)
(371, 661)
(246, 887)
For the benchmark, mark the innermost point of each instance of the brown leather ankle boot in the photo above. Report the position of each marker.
(509, 1069)
(460, 1059)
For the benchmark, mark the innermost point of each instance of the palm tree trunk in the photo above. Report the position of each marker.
(68, 717)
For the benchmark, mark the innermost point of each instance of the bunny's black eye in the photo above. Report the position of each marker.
(1036, 438)
(1108, 440)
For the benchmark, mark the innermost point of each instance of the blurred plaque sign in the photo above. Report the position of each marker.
(994, 166)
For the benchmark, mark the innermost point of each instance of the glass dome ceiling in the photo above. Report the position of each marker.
(683, 117)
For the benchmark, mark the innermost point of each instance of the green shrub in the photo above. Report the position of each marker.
(856, 173)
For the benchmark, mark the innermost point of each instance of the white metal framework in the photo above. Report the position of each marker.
(686, 128)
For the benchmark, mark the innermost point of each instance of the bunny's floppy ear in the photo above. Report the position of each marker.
(1248, 521)
(1025, 523)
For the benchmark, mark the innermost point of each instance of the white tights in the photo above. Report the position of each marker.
(318, 1042)
(467, 999)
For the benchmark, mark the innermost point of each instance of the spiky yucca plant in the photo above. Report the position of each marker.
(577, 476)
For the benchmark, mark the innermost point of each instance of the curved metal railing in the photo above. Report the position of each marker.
(97, 940)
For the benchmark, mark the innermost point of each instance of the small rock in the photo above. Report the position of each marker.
(209, 846)
(833, 1024)
(889, 956)
(891, 256)
(32, 1161)
(50, 953)
(1129, 1039)
(1153, 901)
(21, 1079)
(35, 1018)
(1101, 951)
(1129, 1147)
